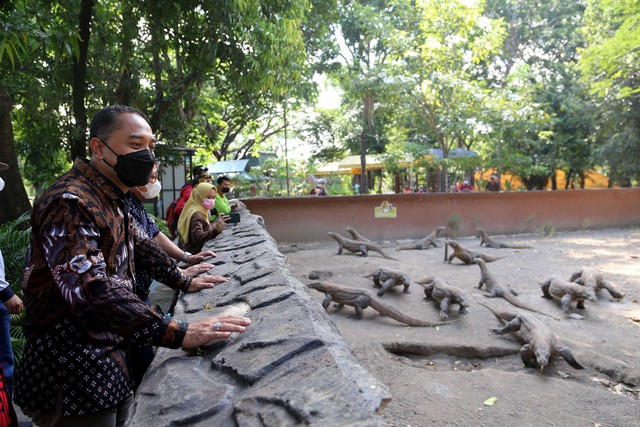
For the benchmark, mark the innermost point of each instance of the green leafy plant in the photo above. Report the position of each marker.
(14, 240)
(548, 229)
(454, 222)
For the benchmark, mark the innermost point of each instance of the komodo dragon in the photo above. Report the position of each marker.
(425, 243)
(495, 290)
(386, 278)
(357, 236)
(363, 298)
(490, 243)
(540, 341)
(355, 246)
(467, 256)
(592, 278)
(444, 294)
(566, 292)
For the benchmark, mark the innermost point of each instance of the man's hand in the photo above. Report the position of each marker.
(194, 270)
(199, 257)
(205, 282)
(14, 305)
(213, 328)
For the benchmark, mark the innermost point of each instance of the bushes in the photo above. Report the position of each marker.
(14, 241)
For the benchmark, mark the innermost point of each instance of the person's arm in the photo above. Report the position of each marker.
(201, 231)
(11, 301)
(93, 293)
(176, 253)
(213, 328)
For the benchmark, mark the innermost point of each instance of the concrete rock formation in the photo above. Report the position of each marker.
(291, 366)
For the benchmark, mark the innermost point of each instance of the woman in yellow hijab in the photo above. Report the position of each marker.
(194, 228)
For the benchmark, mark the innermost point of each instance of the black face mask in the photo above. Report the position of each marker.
(225, 189)
(133, 169)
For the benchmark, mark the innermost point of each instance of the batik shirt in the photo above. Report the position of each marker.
(81, 313)
(148, 229)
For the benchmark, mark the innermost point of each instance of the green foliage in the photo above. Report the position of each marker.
(18, 339)
(531, 86)
(528, 222)
(14, 241)
(548, 229)
(611, 61)
(324, 130)
(454, 221)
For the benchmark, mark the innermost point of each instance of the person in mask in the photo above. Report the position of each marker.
(222, 206)
(142, 356)
(81, 312)
(466, 186)
(194, 228)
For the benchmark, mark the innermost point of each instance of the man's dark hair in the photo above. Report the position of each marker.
(105, 120)
(195, 174)
(222, 178)
(197, 171)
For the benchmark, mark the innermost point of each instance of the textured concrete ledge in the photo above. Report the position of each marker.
(291, 366)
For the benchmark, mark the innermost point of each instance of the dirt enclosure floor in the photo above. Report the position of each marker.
(461, 374)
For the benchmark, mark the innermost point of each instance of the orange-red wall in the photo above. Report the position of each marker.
(305, 219)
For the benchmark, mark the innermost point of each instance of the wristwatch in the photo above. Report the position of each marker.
(185, 256)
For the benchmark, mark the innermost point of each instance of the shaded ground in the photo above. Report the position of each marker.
(442, 376)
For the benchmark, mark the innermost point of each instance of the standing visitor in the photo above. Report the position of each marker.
(221, 205)
(82, 314)
(493, 184)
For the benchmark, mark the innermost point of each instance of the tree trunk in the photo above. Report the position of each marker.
(367, 111)
(127, 86)
(79, 133)
(13, 198)
(363, 163)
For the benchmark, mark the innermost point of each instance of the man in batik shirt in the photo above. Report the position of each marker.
(81, 311)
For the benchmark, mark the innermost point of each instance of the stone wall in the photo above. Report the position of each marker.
(290, 367)
(307, 219)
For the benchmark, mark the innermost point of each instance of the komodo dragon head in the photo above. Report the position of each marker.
(543, 353)
(455, 245)
(334, 235)
(462, 300)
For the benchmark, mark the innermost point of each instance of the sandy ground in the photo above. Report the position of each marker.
(450, 375)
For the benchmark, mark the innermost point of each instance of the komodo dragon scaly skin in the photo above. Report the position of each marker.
(495, 290)
(566, 292)
(425, 243)
(467, 256)
(592, 278)
(357, 236)
(356, 246)
(540, 341)
(386, 278)
(363, 298)
(444, 294)
(490, 243)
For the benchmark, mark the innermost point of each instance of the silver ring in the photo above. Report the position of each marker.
(216, 326)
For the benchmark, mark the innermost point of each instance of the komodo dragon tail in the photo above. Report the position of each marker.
(488, 258)
(515, 301)
(390, 311)
(510, 246)
(503, 316)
